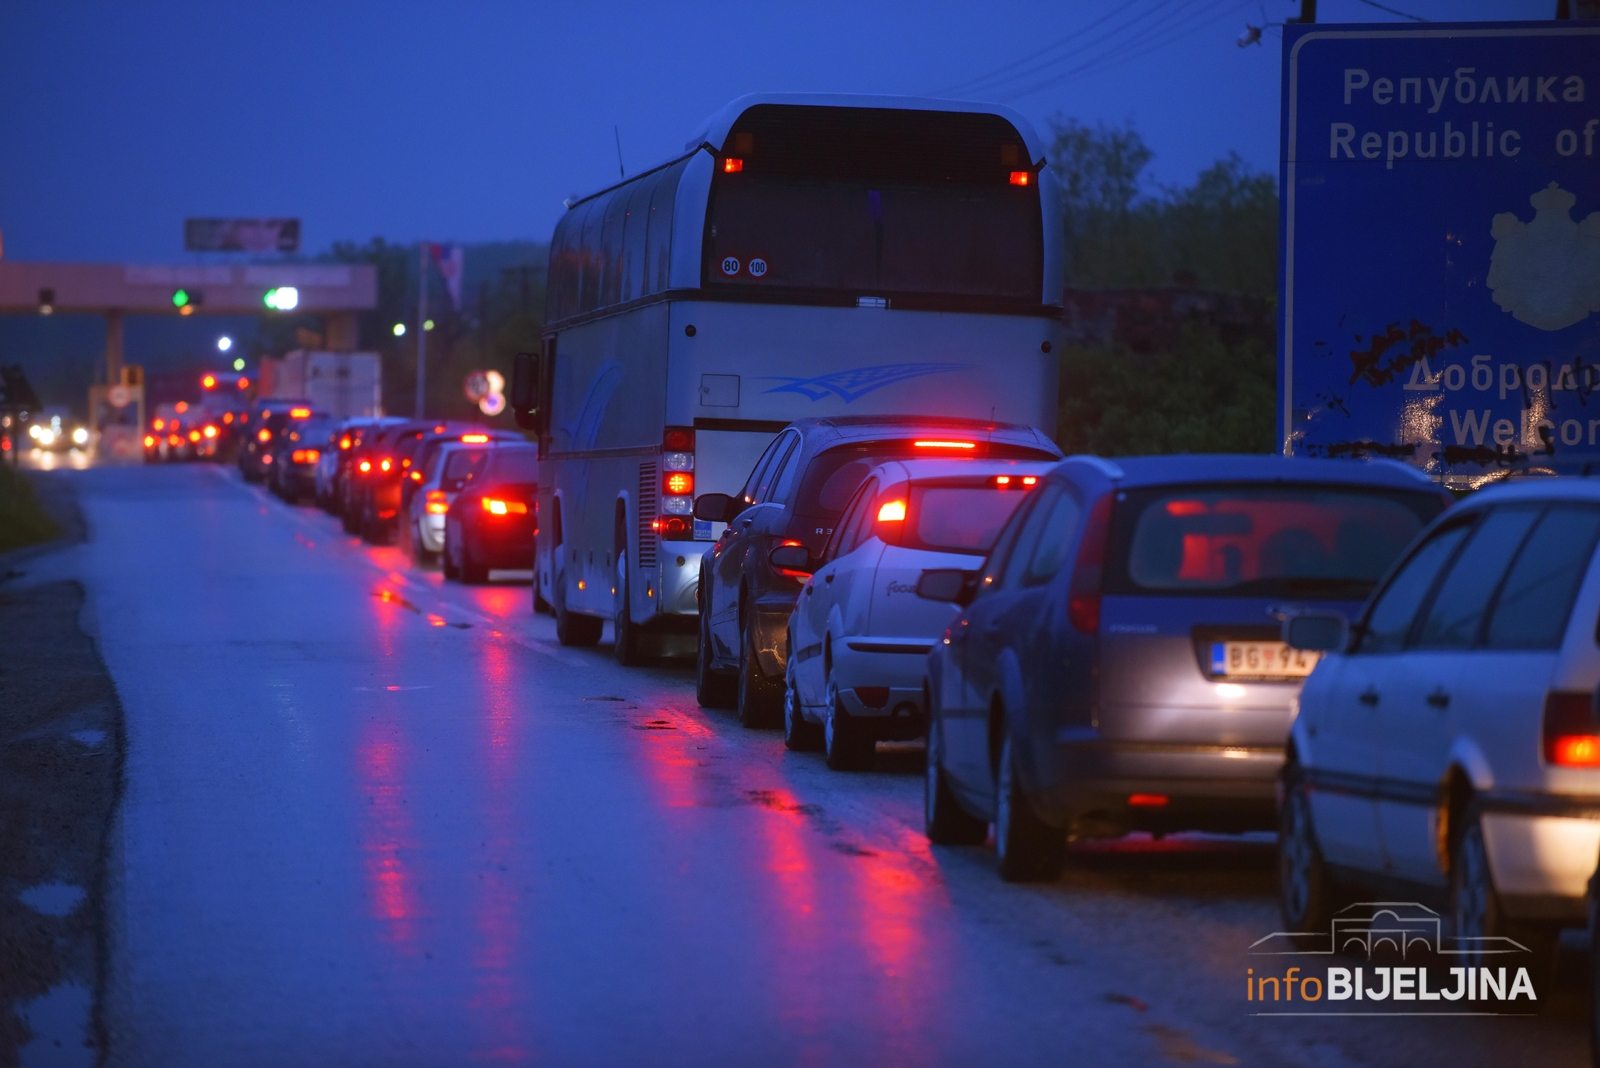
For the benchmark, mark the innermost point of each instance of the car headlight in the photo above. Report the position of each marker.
(46, 437)
(80, 435)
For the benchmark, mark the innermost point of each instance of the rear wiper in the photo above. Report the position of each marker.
(1306, 584)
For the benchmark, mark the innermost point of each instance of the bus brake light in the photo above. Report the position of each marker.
(678, 483)
(732, 165)
(1021, 177)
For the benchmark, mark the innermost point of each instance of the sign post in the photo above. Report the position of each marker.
(1439, 268)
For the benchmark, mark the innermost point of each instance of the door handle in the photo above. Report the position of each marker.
(1439, 699)
(808, 589)
(1369, 696)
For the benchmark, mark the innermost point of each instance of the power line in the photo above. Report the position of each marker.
(1051, 47)
(1392, 11)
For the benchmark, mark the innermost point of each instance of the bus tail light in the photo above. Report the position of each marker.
(670, 526)
(1021, 177)
(1083, 598)
(677, 439)
(437, 502)
(1571, 735)
(732, 165)
(677, 484)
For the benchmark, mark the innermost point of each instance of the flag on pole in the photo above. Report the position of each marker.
(452, 265)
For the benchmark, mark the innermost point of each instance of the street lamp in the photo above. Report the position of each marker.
(224, 343)
(399, 329)
(238, 364)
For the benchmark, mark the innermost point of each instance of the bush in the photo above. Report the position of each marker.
(22, 521)
(1204, 396)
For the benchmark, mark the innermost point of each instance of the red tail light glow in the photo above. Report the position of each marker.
(267, 459)
(892, 512)
(149, 442)
(945, 444)
(1021, 177)
(384, 465)
(159, 424)
(208, 382)
(244, 383)
(344, 442)
(677, 483)
(495, 506)
(1571, 734)
(299, 413)
(227, 417)
(306, 456)
(1186, 507)
(678, 439)
(1147, 800)
(263, 435)
(211, 431)
(365, 465)
(670, 526)
(436, 502)
(181, 407)
(1083, 598)
(474, 439)
(173, 439)
(732, 165)
(194, 435)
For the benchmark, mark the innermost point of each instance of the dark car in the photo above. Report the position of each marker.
(372, 482)
(296, 451)
(1119, 663)
(793, 496)
(271, 419)
(334, 469)
(492, 523)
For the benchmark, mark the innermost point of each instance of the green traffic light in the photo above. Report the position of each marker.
(180, 298)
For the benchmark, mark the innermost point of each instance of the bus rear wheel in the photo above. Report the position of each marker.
(627, 645)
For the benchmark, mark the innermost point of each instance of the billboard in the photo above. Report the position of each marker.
(241, 235)
(1439, 266)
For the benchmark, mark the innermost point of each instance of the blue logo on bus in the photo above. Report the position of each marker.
(854, 384)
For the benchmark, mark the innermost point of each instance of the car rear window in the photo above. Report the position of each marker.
(960, 519)
(1250, 541)
(516, 465)
(833, 477)
(1536, 598)
(462, 466)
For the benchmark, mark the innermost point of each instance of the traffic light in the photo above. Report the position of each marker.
(186, 300)
(283, 298)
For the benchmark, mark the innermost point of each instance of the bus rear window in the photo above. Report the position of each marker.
(1302, 541)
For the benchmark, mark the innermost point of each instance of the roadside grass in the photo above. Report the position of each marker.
(22, 520)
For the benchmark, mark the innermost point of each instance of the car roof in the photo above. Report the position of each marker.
(1557, 488)
(919, 470)
(1134, 471)
(843, 429)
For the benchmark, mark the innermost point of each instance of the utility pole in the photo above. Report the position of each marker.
(422, 324)
(1308, 11)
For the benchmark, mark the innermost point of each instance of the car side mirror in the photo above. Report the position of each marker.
(948, 584)
(793, 558)
(525, 390)
(1317, 632)
(716, 507)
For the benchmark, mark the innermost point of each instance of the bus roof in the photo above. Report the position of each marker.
(714, 129)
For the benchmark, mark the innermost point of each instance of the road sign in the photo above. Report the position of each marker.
(241, 235)
(1439, 277)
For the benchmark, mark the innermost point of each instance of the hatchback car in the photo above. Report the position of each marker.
(795, 493)
(295, 455)
(1448, 741)
(448, 472)
(859, 634)
(1119, 664)
(272, 418)
(492, 523)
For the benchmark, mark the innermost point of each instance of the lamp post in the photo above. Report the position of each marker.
(422, 319)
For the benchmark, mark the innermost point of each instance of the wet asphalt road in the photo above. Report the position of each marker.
(374, 818)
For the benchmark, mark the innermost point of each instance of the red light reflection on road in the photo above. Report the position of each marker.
(388, 837)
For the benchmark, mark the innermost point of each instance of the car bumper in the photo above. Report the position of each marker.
(1106, 788)
(881, 679)
(1542, 863)
(431, 528)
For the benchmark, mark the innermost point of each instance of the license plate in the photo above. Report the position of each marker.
(1261, 660)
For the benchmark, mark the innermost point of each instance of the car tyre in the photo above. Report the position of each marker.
(473, 571)
(447, 562)
(759, 698)
(800, 735)
(711, 688)
(1307, 895)
(943, 818)
(846, 744)
(1476, 912)
(1027, 850)
(627, 643)
(573, 629)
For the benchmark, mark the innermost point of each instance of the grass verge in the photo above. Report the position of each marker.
(22, 520)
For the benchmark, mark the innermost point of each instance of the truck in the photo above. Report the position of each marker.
(342, 384)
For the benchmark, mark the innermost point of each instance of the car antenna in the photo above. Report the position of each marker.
(618, 135)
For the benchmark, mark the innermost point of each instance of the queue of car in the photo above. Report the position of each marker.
(1402, 687)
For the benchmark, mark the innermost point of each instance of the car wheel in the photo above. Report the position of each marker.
(1476, 913)
(447, 561)
(799, 734)
(1027, 849)
(711, 688)
(943, 818)
(473, 571)
(846, 745)
(571, 628)
(759, 697)
(627, 634)
(1307, 895)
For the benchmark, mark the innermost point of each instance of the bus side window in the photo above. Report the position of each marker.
(589, 254)
(611, 235)
(634, 243)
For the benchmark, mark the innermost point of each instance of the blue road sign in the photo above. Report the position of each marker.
(1439, 273)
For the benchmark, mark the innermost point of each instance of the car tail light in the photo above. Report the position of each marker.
(1083, 598)
(194, 435)
(1147, 800)
(344, 442)
(173, 439)
(267, 459)
(437, 502)
(496, 506)
(384, 464)
(475, 439)
(263, 435)
(1571, 735)
(677, 483)
(306, 456)
(211, 431)
(1016, 481)
(244, 383)
(208, 382)
(299, 413)
(945, 444)
(416, 476)
(227, 417)
(873, 696)
(365, 466)
(892, 512)
(149, 442)
(159, 424)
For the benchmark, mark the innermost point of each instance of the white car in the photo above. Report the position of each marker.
(859, 634)
(448, 472)
(1448, 742)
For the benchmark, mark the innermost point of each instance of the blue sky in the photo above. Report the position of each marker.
(471, 121)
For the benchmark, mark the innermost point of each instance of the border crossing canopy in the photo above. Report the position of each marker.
(1439, 268)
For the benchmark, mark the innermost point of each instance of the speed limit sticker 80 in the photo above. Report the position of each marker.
(731, 266)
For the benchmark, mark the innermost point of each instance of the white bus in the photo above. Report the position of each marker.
(807, 255)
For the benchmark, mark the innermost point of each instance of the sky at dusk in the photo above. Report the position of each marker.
(472, 121)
